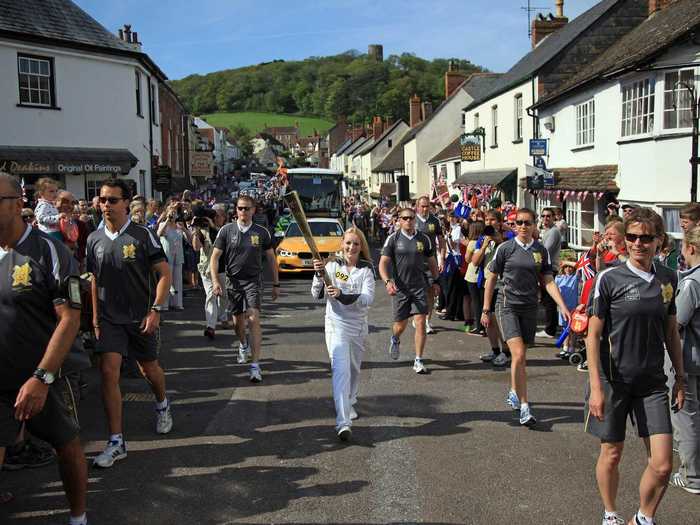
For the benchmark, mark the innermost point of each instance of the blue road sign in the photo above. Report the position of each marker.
(538, 147)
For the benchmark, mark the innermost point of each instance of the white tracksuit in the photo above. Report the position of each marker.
(346, 329)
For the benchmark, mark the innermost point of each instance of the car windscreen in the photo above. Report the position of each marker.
(318, 229)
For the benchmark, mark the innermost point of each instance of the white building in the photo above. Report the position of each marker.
(624, 124)
(78, 103)
(374, 153)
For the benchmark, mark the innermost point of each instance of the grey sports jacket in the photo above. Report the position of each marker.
(688, 316)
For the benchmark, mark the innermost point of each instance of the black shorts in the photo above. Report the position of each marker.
(56, 424)
(127, 340)
(517, 323)
(407, 303)
(648, 409)
(243, 295)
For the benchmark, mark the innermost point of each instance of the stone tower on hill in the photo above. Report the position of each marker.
(376, 51)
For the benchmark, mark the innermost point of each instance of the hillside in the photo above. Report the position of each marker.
(255, 122)
(349, 84)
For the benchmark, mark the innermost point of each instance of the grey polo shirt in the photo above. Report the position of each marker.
(520, 268)
(431, 227)
(32, 277)
(123, 265)
(409, 257)
(243, 251)
(635, 307)
(551, 239)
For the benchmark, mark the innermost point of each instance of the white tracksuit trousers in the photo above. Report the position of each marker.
(214, 306)
(346, 360)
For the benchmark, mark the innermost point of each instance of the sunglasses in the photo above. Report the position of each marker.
(646, 239)
(111, 200)
(521, 223)
(545, 215)
(243, 208)
(407, 217)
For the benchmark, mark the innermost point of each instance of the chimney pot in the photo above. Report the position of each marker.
(560, 8)
(134, 38)
(542, 27)
(121, 34)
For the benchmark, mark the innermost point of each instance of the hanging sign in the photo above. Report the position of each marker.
(538, 147)
(470, 147)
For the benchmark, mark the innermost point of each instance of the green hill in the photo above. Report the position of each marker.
(255, 122)
(351, 84)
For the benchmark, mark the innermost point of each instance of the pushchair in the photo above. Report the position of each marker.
(577, 328)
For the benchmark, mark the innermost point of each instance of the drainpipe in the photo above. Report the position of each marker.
(150, 135)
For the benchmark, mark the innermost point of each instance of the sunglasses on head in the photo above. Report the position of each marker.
(520, 223)
(242, 208)
(407, 217)
(646, 239)
(111, 200)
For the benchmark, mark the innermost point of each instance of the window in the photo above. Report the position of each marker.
(580, 219)
(585, 123)
(638, 108)
(139, 108)
(458, 169)
(389, 143)
(494, 126)
(677, 99)
(518, 110)
(476, 121)
(464, 119)
(672, 220)
(154, 105)
(36, 81)
(93, 183)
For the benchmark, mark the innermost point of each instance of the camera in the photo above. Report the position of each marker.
(489, 231)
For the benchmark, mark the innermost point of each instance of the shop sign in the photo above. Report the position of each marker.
(202, 164)
(470, 147)
(26, 167)
(162, 178)
(87, 167)
(538, 147)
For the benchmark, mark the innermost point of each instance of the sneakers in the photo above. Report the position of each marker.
(544, 334)
(501, 359)
(394, 350)
(419, 367)
(487, 358)
(582, 367)
(678, 480)
(512, 400)
(114, 451)
(615, 519)
(243, 353)
(344, 433)
(353, 414)
(209, 332)
(428, 329)
(526, 418)
(467, 329)
(164, 420)
(27, 454)
(563, 353)
(255, 374)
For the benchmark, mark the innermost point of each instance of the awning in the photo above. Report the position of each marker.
(26, 160)
(591, 178)
(492, 177)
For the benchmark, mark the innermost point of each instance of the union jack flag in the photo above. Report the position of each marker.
(585, 267)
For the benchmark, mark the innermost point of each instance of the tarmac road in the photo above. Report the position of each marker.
(439, 449)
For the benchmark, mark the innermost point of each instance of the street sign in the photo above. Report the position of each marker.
(162, 177)
(470, 147)
(538, 147)
(539, 163)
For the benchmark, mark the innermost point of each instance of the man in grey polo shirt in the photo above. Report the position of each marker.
(551, 240)
(521, 264)
(429, 224)
(405, 256)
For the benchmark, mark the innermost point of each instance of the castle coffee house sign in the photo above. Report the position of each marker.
(68, 168)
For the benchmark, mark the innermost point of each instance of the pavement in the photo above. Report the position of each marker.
(440, 448)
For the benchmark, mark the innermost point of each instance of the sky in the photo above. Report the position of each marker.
(201, 36)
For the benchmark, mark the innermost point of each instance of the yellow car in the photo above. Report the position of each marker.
(294, 255)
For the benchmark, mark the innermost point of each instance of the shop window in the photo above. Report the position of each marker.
(580, 217)
(677, 100)
(672, 221)
(92, 186)
(36, 80)
(585, 123)
(638, 107)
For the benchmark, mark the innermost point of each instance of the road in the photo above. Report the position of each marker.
(440, 448)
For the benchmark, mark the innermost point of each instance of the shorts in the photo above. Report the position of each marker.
(127, 340)
(243, 295)
(408, 303)
(56, 424)
(648, 410)
(517, 323)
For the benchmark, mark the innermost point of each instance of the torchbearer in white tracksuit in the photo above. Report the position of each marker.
(347, 302)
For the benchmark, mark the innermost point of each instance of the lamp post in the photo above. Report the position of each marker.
(694, 158)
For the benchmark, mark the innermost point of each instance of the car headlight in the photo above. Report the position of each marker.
(285, 253)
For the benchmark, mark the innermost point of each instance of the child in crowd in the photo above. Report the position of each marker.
(47, 215)
(567, 282)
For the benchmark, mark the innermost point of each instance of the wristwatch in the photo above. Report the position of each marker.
(386, 281)
(44, 376)
(159, 308)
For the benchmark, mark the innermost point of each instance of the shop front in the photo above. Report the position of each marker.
(78, 170)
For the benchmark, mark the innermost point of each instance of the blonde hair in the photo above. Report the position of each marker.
(43, 183)
(692, 237)
(364, 246)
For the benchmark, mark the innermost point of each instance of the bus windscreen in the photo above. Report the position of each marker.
(318, 193)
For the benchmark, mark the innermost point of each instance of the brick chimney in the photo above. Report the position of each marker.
(377, 127)
(658, 5)
(453, 79)
(426, 109)
(414, 113)
(543, 26)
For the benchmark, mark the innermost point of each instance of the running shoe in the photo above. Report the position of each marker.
(512, 400)
(164, 420)
(27, 454)
(114, 451)
(255, 374)
(353, 414)
(209, 332)
(563, 353)
(526, 418)
(429, 329)
(344, 433)
(501, 359)
(615, 519)
(637, 522)
(582, 367)
(394, 350)
(419, 367)
(487, 358)
(243, 353)
(678, 480)
(544, 334)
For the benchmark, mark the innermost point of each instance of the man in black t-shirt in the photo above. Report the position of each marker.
(429, 224)
(242, 245)
(129, 290)
(39, 321)
(405, 256)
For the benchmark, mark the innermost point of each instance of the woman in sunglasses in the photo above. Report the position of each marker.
(521, 264)
(633, 318)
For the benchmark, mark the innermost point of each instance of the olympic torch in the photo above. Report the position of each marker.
(294, 204)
